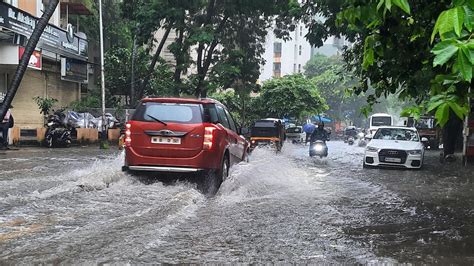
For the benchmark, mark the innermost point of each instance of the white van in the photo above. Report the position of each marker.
(379, 120)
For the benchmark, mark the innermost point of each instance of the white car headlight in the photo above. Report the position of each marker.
(414, 152)
(371, 149)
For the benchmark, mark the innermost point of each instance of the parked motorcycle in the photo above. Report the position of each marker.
(318, 148)
(57, 134)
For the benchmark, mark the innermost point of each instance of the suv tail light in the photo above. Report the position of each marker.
(128, 135)
(208, 137)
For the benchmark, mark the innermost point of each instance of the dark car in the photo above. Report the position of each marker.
(184, 136)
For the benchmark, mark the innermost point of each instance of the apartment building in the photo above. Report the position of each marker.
(289, 57)
(57, 68)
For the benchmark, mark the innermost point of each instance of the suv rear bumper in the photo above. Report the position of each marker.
(202, 161)
(162, 169)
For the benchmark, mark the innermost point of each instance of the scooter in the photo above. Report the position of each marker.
(57, 134)
(350, 140)
(318, 148)
(362, 141)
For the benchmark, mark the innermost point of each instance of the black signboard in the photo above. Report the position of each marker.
(53, 39)
(73, 70)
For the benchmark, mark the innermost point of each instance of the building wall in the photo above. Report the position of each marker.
(41, 84)
(291, 60)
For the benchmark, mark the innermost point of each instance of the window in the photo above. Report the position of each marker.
(210, 113)
(381, 121)
(277, 49)
(300, 50)
(396, 134)
(231, 121)
(3, 85)
(222, 117)
(168, 112)
(11, 2)
(301, 30)
(299, 68)
(276, 69)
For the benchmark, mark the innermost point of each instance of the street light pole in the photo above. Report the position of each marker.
(102, 75)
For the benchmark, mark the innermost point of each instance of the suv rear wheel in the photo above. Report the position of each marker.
(211, 180)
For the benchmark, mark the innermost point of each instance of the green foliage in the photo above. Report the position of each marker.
(289, 96)
(334, 83)
(86, 103)
(45, 104)
(392, 51)
(241, 106)
(226, 36)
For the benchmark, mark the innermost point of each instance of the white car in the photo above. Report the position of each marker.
(395, 147)
(295, 134)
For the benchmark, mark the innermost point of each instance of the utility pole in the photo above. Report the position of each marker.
(103, 143)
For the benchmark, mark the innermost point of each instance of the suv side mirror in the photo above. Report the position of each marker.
(243, 131)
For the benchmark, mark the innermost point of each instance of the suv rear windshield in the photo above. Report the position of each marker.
(169, 112)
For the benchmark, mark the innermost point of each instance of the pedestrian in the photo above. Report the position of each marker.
(6, 123)
(308, 129)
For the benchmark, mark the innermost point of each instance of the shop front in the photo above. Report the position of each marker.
(56, 69)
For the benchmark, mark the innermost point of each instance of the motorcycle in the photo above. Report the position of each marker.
(362, 141)
(350, 140)
(57, 133)
(318, 148)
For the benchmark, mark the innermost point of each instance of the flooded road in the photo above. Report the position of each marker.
(76, 206)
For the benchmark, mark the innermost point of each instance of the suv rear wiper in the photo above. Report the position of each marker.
(157, 120)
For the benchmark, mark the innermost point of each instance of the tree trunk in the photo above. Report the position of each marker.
(155, 58)
(203, 67)
(30, 47)
(451, 132)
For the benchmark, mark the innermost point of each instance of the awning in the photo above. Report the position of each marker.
(317, 118)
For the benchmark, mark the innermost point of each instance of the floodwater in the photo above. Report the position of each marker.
(76, 206)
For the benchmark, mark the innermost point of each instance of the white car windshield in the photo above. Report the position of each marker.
(396, 134)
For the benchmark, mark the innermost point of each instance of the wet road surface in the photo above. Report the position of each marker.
(76, 206)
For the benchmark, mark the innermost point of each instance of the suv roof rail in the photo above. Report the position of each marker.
(211, 99)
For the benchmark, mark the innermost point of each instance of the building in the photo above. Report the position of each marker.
(289, 57)
(57, 68)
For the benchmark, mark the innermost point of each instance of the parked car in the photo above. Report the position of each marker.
(395, 147)
(184, 136)
(295, 134)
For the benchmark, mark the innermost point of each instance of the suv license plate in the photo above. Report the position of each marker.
(165, 140)
(393, 160)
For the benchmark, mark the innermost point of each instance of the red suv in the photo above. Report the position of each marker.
(184, 136)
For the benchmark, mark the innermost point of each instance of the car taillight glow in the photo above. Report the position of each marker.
(208, 137)
(128, 135)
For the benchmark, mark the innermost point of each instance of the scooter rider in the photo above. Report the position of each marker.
(319, 133)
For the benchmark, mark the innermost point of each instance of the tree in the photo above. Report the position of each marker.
(334, 82)
(224, 35)
(289, 96)
(30, 47)
(393, 53)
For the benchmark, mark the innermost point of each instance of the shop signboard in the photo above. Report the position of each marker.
(54, 39)
(73, 70)
(35, 59)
